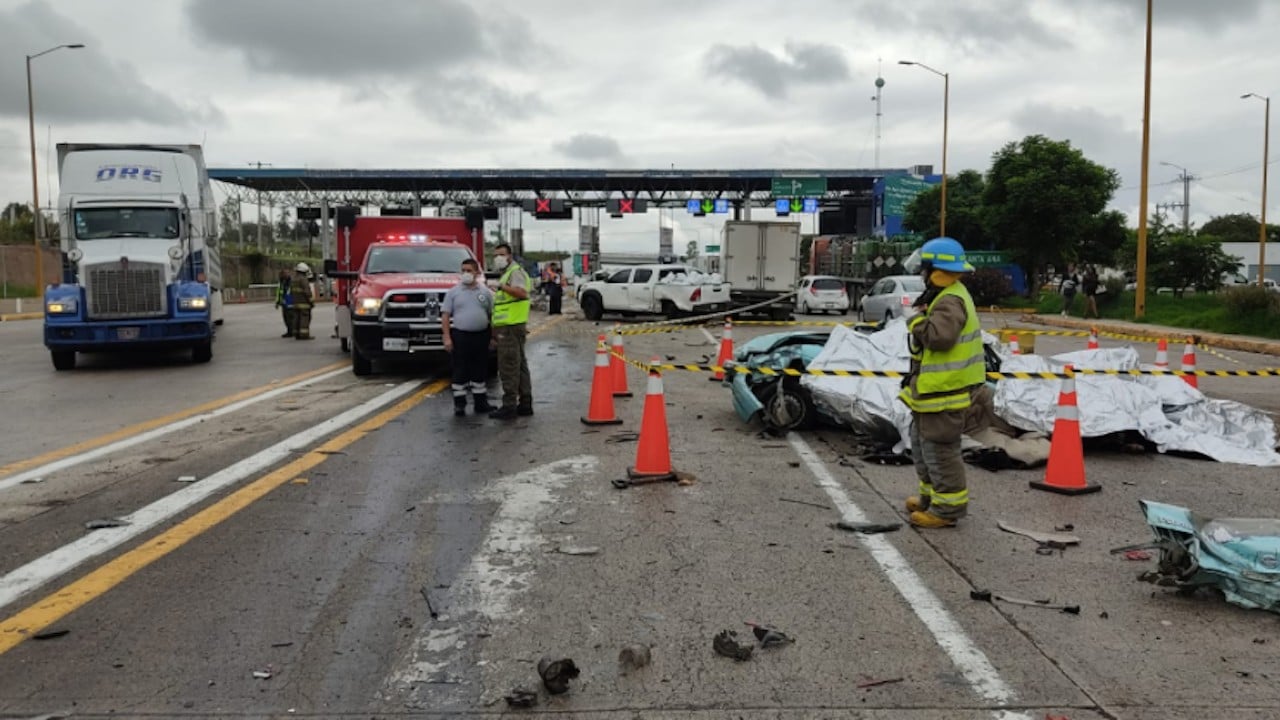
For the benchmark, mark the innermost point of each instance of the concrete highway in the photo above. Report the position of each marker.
(292, 541)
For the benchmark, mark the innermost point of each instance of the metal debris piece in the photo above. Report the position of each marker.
(866, 685)
(556, 674)
(1043, 538)
(186, 478)
(32, 481)
(1137, 555)
(427, 596)
(633, 657)
(988, 596)
(282, 644)
(622, 437)
(820, 506)
(726, 643)
(521, 697)
(263, 674)
(769, 637)
(105, 523)
(50, 634)
(578, 550)
(867, 528)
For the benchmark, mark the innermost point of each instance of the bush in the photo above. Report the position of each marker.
(988, 286)
(1114, 288)
(1250, 300)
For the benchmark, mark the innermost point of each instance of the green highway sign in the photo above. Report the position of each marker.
(899, 191)
(986, 258)
(712, 248)
(796, 186)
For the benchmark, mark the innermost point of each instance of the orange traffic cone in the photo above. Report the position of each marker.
(1093, 339)
(1189, 364)
(1014, 348)
(1065, 472)
(726, 348)
(653, 454)
(600, 411)
(618, 366)
(1162, 354)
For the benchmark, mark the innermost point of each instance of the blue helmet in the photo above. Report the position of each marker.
(945, 253)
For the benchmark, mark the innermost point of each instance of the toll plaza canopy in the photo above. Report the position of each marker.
(585, 187)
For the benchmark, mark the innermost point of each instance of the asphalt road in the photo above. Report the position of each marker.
(377, 557)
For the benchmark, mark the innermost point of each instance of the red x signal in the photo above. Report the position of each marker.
(626, 206)
(543, 205)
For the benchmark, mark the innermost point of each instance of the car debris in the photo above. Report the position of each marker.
(427, 596)
(579, 550)
(726, 643)
(521, 697)
(633, 657)
(1050, 539)
(769, 637)
(32, 481)
(50, 634)
(867, 528)
(105, 523)
(186, 478)
(868, 684)
(988, 596)
(820, 506)
(556, 674)
(263, 674)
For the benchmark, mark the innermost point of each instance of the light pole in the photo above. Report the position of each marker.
(1266, 152)
(946, 102)
(37, 225)
(1186, 196)
(1140, 290)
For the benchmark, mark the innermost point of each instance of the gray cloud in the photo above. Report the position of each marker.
(589, 146)
(994, 27)
(771, 74)
(1090, 130)
(469, 101)
(1197, 14)
(85, 85)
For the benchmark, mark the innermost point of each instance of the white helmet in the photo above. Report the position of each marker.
(303, 268)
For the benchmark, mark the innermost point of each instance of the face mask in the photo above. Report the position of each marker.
(501, 261)
(468, 278)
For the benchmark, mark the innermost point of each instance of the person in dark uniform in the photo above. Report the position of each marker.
(284, 301)
(554, 287)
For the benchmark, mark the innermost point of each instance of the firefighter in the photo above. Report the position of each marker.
(284, 301)
(510, 328)
(948, 370)
(302, 298)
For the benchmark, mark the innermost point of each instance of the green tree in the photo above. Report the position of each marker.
(1240, 227)
(1042, 200)
(1183, 261)
(965, 220)
(1103, 242)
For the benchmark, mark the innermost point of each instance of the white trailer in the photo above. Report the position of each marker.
(761, 262)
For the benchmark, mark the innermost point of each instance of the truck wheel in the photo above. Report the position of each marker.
(779, 314)
(592, 307)
(63, 359)
(360, 365)
(669, 310)
(202, 353)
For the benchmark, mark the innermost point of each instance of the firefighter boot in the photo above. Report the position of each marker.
(915, 504)
(930, 521)
(460, 405)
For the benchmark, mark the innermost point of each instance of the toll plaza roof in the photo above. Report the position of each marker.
(515, 182)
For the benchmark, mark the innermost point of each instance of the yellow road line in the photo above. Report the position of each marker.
(57, 605)
(142, 427)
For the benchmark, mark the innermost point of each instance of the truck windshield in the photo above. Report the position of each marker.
(145, 222)
(420, 259)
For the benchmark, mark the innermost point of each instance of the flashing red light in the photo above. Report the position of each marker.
(626, 206)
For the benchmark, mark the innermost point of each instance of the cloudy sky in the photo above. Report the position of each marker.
(717, 83)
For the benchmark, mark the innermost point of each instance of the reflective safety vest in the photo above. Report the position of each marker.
(507, 309)
(947, 376)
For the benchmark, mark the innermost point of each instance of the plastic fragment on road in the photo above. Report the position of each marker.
(263, 674)
(726, 643)
(521, 697)
(770, 637)
(186, 478)
(105, 523)
(868, 684)
(1044, 538)
(578, 550)
(867, 528)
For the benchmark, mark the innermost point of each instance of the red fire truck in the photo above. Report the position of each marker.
(391, 275)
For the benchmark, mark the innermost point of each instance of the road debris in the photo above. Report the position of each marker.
(556, 674)
(581, 550)
(105, 523)
(820, 506)
(1137, 555)
(282, 644)
(633, 657)
(427, 596)
(1050, 539)
(867, 528)
(726, 643)
(868, 684)
(32, 481)
(263, 674)
(521, 697)
(299, 481)
(186, 478)
(988, 596)
(622, 437)
(50, 634)
(769, 637)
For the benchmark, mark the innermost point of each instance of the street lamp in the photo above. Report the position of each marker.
(37, 223)
(1266, 152)
(946, 101)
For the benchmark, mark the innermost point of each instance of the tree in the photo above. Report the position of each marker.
(1240, 227)
(1042, 200)
(1104, 240)
(964, 211)
(282, 230)
(228, 219)
(15, 211)
(1184, 261)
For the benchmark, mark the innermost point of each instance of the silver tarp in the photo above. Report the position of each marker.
(1165, 410)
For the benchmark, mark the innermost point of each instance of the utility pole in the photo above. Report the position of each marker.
(259, 165)
(1186, 179)
(879, 87)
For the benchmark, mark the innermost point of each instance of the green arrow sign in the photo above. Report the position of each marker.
(708, 205)
(799, 186)
(797, 205)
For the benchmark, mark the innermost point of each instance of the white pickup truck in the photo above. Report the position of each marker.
(661, 289)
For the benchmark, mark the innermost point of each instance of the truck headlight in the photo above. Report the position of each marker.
(75, 254)
(193, 303)
(175, 252)
(61, 307)
(369, 306)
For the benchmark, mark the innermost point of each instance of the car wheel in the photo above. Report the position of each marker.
(592, 308)
(669, 310)
(787, 406)
(360, 365)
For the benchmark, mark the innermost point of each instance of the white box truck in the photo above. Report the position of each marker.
(761, 261)
(140, 266)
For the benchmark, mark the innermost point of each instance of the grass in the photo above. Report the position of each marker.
(10, 290)
(1195, 311)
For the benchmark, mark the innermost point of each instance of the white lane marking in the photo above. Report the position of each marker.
(152, 434)
(710, 338)
(499, 570)
(44, 569)
(965, 655)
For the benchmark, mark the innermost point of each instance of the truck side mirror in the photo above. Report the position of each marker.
(330, 267)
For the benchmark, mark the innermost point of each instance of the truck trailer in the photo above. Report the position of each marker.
(761, 262)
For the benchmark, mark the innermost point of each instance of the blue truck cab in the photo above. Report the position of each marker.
(140, 264)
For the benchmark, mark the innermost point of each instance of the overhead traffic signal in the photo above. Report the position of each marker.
(626, 206)
(548, 209)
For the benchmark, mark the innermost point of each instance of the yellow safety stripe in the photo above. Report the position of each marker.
(953, 499)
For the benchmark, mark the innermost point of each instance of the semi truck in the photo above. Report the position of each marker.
(391, 275)
(761, 262)
(140, 261)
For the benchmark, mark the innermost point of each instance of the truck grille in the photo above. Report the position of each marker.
(412, 306)
(132, 290)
